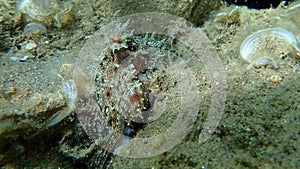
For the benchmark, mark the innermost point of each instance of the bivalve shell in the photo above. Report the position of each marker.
(34, 28)
(269, 43)
(42, 11)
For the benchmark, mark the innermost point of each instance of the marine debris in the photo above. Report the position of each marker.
(264, 47)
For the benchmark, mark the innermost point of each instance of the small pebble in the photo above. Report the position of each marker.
(13, 58)
(276, 79)
(127, 131)
(30, 46)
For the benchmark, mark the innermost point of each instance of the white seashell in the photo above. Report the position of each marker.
(34, 28)
(13, 58)
(264, 62)
(269, 43)
(42, 11)
(24, 58)
(30, 46)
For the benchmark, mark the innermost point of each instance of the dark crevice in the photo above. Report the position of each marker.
(257, 4)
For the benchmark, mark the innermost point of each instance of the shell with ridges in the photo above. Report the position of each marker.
(271, 43)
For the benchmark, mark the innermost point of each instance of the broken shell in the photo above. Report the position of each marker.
(39, 10)
(266, 61)
(30, 46)
(34, 29)
(269, 43)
